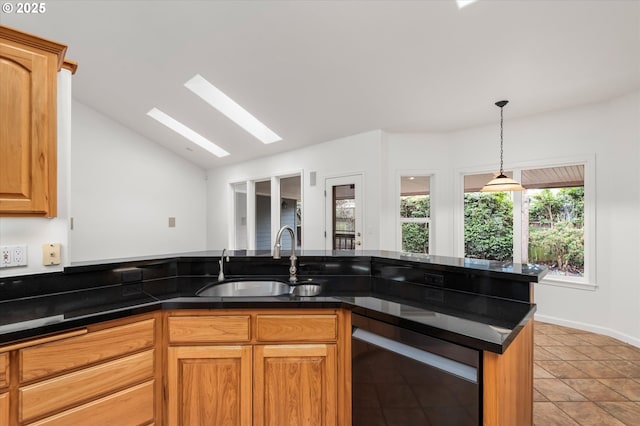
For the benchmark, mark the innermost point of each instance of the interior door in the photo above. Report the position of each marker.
(343, 218)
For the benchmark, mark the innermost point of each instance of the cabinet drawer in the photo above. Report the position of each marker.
(301, 328)
(207, 329)
(67, 354)
(4, 369)
(74, 388)
(136, 402)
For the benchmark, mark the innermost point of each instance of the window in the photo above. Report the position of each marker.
(549, 223)
(240, 215)
(263, 215)
(488, 220)
(553, 219)
(415, 213)
(291, 209)
(259, 208)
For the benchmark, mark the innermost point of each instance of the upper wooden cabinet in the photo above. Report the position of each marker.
(28, 96)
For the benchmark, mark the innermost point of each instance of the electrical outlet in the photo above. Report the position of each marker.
(11, 256)
(5, 257)
(20, 255)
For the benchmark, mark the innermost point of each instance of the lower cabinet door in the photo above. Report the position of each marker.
(4, 408)
(130, 407)
(209, 385)
(295, 385)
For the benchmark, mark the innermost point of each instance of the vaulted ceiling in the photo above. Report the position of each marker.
(314, 71)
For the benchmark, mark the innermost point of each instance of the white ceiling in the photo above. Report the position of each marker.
(314, 71)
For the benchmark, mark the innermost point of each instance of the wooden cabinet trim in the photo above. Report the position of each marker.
(48, 358)
(508, 382)
(46, 339)
(4, 370)
(203, 329)
(4, 408)
(63, 392)
(137, 402)
(296, 327)
(33, 41)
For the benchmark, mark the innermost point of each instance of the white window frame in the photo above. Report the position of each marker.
(401, 220)
(589, 280)
(251, 206)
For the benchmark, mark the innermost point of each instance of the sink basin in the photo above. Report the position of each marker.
(245, 289)
(306, 290)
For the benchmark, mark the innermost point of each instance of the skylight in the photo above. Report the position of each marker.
(463, 3)
(188, 133)
(217, 99)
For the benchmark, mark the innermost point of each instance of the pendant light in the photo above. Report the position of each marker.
(501, 182)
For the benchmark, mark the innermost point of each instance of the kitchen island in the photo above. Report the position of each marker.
(481, 305)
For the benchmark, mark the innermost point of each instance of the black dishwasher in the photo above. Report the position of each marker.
(405, 378)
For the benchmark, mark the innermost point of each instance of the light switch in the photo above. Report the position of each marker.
(51, 254)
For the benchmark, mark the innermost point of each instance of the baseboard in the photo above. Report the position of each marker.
(591, 328)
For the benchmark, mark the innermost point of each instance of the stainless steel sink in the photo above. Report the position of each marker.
(245, 289)
(306, 290)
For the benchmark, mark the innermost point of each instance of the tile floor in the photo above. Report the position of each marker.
(582, 378)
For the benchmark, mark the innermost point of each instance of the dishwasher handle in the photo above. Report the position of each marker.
(441, 363)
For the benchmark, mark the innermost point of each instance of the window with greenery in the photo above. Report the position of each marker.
(415, 212)
(488, 220)
(550, 215)
(554, 199)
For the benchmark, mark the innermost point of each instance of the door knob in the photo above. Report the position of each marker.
(358, 243)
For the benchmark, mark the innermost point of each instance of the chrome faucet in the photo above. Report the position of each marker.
(276, 252)
(221, 263)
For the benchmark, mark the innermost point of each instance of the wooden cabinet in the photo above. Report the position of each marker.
(4, 392)
(295, 385)
(28, 79)
(209, 385)
(264, 367)
(104, 374)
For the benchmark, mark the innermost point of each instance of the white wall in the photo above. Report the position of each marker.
(359, 153)
(124, 188)
(34, 232)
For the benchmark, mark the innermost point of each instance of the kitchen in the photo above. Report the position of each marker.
(599, 120)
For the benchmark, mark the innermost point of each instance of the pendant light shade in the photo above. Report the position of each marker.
(501, 182)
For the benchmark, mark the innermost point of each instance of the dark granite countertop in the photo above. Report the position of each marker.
(476, 321)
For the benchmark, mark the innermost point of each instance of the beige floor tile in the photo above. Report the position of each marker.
(567, 353)
(571, 340)
(597, 369)
(541, 354)
(626, 412)
(594, 390)
(624, 351)
(598, 339)
(556, 390)
(583, 378)
(548, 414)
(563, 370)
(537, 396)
(628, 387)
(588, 414)
(629, 369)
(596, 353)
(546, 340)
(541, 373)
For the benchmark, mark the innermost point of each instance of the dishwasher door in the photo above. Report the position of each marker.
(405, 378)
